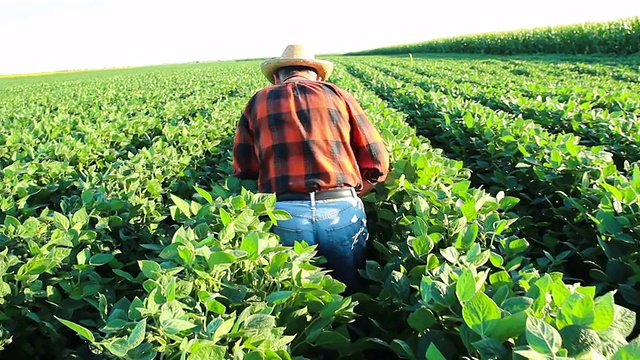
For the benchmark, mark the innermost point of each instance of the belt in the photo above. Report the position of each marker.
(319, 195)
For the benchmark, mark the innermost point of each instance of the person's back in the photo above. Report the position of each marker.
(304, 136)
(310, 142)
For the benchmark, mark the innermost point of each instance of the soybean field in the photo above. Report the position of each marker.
(508, 228)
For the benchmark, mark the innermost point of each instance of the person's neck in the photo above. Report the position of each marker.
(296, 77)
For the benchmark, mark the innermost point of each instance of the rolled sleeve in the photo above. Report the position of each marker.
(245, 161)
(369, 149)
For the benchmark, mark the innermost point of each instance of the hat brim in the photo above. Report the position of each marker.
(322, 67)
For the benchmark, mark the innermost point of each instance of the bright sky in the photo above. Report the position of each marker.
(50, 35)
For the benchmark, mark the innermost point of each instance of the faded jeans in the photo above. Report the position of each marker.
(337, 226)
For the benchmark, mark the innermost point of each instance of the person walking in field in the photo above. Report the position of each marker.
(310, 142)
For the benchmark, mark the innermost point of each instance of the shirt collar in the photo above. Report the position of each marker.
(294, 78)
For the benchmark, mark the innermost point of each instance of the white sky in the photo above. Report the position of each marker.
(49, 35)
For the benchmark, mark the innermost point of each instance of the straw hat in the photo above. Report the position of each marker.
(296, 55)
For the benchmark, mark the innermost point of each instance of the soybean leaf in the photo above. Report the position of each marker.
(576, 310)
(182, 205)
(137, 334)
(279, 297)
(491, 349)
(403, 349)
(60, 221)
(81, 330)
(119, 347)
(479, 312)
(175, 326)
(150, 269)
(509, 327)
(101, 259)
(628, 352)
(466, 286)
(208, 352)
(604, 311)
(542, 337)
(421, 319)
(433, 353)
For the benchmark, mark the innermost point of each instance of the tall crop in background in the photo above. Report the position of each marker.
(620, 37)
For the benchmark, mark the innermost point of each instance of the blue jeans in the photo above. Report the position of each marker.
(337, 226)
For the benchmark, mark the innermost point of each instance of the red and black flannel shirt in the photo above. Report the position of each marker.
(302, 136)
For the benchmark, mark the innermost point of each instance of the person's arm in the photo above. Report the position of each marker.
(371, 154)
(366, 188)
(245, 161)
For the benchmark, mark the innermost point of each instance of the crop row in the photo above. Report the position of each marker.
(568, 191)
(616, 126)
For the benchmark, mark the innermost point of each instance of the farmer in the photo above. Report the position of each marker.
(309, 141)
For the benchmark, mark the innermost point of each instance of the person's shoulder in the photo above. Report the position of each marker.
(335, 88)
(262, 93)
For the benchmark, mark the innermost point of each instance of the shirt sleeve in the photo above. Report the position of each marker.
(245, 161)
(371, 154)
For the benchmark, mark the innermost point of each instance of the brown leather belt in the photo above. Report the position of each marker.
(319, 195)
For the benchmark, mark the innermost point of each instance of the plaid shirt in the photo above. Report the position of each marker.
(302, 136)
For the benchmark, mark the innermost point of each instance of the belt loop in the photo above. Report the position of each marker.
(312, 197)
(353, 192)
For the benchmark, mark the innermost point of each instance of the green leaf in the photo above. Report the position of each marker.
(118, 347)
(509, 327)
(205, 195)
(518, 246)
(604, 311)
(628, 352)
(208, 352)
(278, 297)
(124, 274)
(250, 244)
(137, 334)
(100, 259)
(10, 221)
(499, 278)
(433, 353)
(134, 309)
(425, 289)
(81, 330)
(624, 321)
(403, 349)
(531, 354)
(479, 311)
(397, 285)
(331, 338)
(223, 329)
(225, 217)
(60, 221)
(170, 289)
(150, 269)
(80, 218)
(175, 326)
(260, 322)
(220, 257)
(422, 245)
(465, 286)
(421, 319)
(576, 310)
(496, 260)
(559, 292)
(186, 254)
(182, 205)
(542, 337)
(491, 349)
(238, 203)
(516, 304)
(450, 254)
